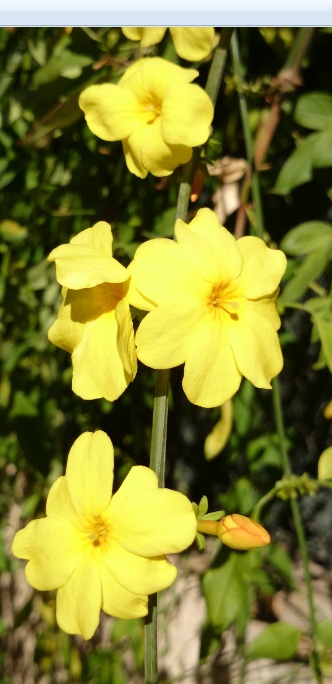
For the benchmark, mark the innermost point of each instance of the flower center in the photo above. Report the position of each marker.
(223, 298)
(98, 532)
(152, 108)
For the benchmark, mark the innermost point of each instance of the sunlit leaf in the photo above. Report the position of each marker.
(308, 237)
(278, 641)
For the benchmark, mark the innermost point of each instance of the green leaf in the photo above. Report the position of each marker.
(227, 592)
(296, 170)
(315, 152)
(325, 333)
(23, 406)
(324, 631)
(308, 237)
(282, 562)
(7, 178)
(311, 268)
(64, 114)
(279, 641)
(322, 150)
(314, 110)
(240, 497)
(325, 465)
(203, 506)
(321, 316)
(67, 64)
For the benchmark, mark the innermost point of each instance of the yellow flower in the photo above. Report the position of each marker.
(193, 43)
(104, 551)
(211, 303)
(242, 533)
(94, 322)
(155, 110)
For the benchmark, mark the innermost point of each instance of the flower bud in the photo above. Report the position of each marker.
(239, 532)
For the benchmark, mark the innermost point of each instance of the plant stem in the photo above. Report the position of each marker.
(297, 523)
(248, 141)
(264, 500)
(160, 407)
(299, 49)
(218, 64)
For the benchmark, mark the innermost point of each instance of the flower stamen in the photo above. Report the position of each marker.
(98, 533)
(222, 298)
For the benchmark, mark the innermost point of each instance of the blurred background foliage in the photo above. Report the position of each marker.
(56, 179)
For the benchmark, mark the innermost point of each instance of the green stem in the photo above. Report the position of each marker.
(160, 408)
(263, 501)
(297, 523)
(248, 141)
(218, 64)
(157, 463)
(299, 49)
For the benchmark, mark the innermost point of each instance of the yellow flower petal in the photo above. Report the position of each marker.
(112, 113)
(84, 266)
(140, 530)
(135, 297)
(161, 273)
(98, 370)
(125, 338)
(133, 162)
(139, 478)
(270, 264)
(78, 602)
(211, 375)
(150, 152)
(65, 332)
(89, 473)
(52, 549)
(193, 43)
(266, 308)
(186, 116)
(138, 574)
(149, 78)
(146, 35)
(118, 601)
(256, 347)
(211, 249)
(164, 334)
(59, 504)
(99, 236)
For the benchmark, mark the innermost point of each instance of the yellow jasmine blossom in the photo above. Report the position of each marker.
(102, 551)
(192, 43)
(211, 302)
(155, 110)
(94, 323)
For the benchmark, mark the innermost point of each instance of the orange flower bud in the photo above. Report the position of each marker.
(242, 533)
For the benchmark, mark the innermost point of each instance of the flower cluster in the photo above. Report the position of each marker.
(157, 112)
(210, 302)
(104, 551)
(192, 43)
